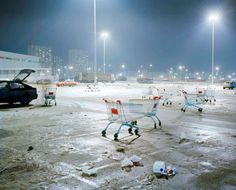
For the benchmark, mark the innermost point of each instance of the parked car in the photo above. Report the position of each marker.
(16, 90)
(67, 83)
(229, 85)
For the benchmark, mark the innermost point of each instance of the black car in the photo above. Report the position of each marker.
(17, 91)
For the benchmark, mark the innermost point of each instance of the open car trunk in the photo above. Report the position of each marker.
(23, 74)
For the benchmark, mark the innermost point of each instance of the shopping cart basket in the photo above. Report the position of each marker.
(192, 100)
(166, 96)
(206, 95)
(127, 114)
(50, 95)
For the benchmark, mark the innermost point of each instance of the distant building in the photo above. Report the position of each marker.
(79, 60)
(12, 63)
(44, 53)
(56, 65)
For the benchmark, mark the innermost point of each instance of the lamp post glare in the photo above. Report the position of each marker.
(213, 18)
(104, 36)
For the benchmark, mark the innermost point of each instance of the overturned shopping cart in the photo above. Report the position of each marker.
(192, 100)
(49, 96)
(127, 114)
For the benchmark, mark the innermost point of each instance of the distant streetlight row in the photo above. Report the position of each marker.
(213, 17)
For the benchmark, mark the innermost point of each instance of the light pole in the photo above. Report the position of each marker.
(217, 68)
(123, 68)
(150, 66)
(213, 18)
(104, 36)
(95, 41)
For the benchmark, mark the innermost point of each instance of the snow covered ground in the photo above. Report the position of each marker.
(67, 137)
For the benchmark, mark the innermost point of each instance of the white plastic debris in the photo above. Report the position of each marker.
(126, 163)
(159, 167)
(135, 159)
(89, 172)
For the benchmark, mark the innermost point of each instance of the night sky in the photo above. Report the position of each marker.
(162, 32)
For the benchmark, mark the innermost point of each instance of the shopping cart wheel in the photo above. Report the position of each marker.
(163, 104)
(214, 100)
(136, 132)
(103, 133)
(160, 123)
(182, 109)
(200, 109)
(130, 131)
(155, 125)
(116, 136)
(170, 103)
(134, 122)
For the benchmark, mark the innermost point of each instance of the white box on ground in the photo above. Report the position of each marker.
(159, 167)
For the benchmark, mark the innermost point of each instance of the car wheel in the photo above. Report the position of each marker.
(25, 100)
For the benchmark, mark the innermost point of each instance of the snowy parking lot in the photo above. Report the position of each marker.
(49, 147)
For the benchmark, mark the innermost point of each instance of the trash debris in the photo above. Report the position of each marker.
(160, 169)
(136, 160)
(120, 149)
(206, 164)
(30, 148)
(126, 163)
(182, 140)
(170, 171)
(87, 171)
(125, 187)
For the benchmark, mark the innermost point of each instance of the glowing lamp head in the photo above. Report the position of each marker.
(214, 17)
(104, 35)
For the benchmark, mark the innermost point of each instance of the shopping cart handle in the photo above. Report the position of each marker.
(157, 97)
(105, 100)
(118, 101)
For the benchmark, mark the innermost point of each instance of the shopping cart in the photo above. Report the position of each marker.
(127, 114)
(210, 95)
(206, 95)
(166, 96)
(192, 100)
(50, 95)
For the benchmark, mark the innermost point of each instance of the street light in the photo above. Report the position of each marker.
(150, 66)
(104, 36)
(213, 18)
(95, 41)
